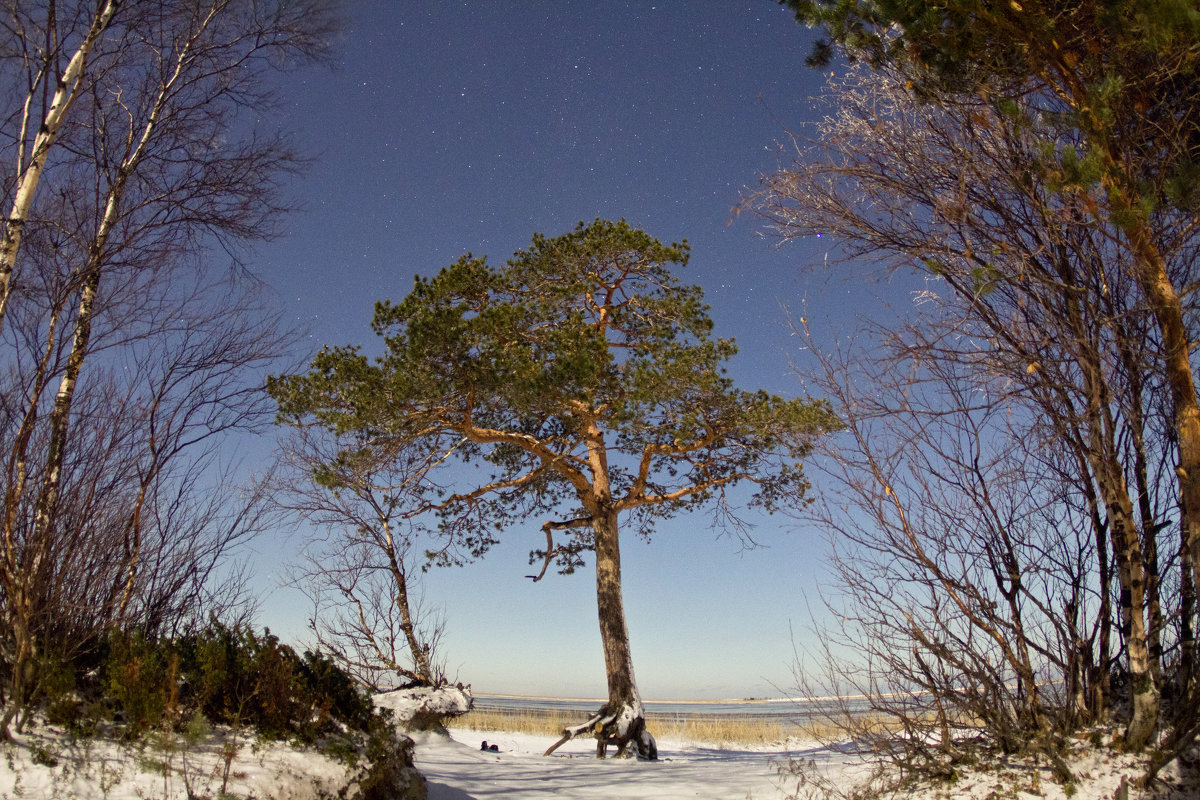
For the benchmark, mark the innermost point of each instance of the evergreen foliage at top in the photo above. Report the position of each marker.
(1123, 73)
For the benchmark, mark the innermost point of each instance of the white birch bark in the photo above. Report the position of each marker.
(29, 172)
(60, 417)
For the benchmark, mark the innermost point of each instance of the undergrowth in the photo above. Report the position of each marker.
(218, 691)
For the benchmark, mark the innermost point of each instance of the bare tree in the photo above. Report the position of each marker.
(358, 569)
(43, 89)
(1036, 298)
(154, 169)
(149, 515)
(955, 556)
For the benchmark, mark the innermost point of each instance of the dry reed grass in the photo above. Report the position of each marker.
(711, 729)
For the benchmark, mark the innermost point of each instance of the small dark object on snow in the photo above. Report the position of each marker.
(493, 748)
(483, 746)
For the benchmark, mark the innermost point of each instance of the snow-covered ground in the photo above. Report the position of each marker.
(456, 769)
(49, 764)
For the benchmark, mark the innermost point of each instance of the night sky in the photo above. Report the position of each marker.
(452, 127)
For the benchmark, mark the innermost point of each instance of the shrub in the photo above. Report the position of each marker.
(335, 696)
(389, 773)
(135, 680)
(229, 675)
(173, 690)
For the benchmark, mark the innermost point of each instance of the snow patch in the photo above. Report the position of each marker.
(425, 707)
(625, 720)
(51, 764)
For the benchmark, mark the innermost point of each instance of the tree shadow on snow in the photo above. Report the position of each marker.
(440, 791)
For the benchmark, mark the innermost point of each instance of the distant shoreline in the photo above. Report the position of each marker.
(726, 701)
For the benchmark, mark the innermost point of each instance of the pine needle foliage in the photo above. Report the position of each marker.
(582, 355)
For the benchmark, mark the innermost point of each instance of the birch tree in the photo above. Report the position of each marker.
(962, 588)
(46, 36)
(582, 377)
(1034, 295)
(1121, 78)
(156, 168)
(359, 567)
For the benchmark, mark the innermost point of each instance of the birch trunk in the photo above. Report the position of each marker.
(60, 417)
(1106, 466)
(1149, 525)
(1187, 610)
(1101, 690)
(136, 144)
(28, 174)
(133, 537)
(22, 660)
(1131, 573)
(1131, 577)
(420, 655)
(16, 576)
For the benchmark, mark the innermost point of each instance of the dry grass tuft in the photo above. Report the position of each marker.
(549, 723)
(712, 729)
(719, 729)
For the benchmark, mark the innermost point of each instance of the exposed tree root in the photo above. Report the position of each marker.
(624, 728)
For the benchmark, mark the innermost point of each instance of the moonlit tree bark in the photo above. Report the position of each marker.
(47, 36)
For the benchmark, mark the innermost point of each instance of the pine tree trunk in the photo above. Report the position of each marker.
(1167, 308)
(628, 723)
(618, 661)
(1168, 311)
(622, 720)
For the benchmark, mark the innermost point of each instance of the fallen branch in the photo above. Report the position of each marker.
(571, 733)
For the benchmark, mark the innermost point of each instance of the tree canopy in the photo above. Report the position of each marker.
(1123, 73)
(581, 355)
